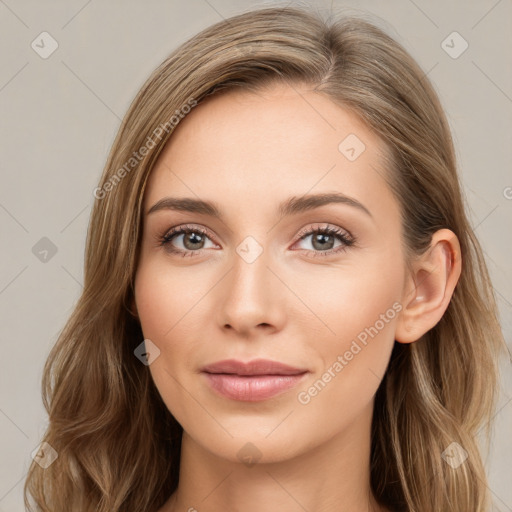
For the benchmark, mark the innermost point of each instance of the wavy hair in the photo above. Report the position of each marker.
(118, 445)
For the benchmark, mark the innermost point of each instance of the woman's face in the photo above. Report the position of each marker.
(262, 279)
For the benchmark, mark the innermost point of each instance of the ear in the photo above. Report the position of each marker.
(429, 289)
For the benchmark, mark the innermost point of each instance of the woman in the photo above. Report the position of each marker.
(285, 306)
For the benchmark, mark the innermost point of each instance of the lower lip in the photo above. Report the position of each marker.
(252, 388)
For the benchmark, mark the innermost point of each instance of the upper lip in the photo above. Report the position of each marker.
(254, 367)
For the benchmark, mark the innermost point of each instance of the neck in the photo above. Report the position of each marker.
(334, 476)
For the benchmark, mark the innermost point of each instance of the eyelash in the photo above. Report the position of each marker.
(347, 240)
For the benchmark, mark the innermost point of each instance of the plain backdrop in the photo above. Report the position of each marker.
(60, 113)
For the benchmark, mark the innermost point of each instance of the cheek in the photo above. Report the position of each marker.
(171, 304)
(163, 300)
(358, 303)
(353, 361)
(344, 300)
(165, 297)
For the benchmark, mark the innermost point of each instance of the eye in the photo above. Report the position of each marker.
(323, 240)
(192, 238)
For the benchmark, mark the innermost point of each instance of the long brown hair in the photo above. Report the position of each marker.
(118, 446)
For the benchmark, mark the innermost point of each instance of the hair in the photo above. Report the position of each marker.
(118, 445)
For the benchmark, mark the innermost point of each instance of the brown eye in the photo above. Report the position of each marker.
(192, 240)
(323, 240)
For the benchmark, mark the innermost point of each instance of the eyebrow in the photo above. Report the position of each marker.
(292, 206)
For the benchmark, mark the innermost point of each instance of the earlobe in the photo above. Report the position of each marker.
(430, 287)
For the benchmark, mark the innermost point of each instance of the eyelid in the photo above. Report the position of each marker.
(323, 226)
(307, 230)
(181, 228)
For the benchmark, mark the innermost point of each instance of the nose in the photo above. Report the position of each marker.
(251, 297)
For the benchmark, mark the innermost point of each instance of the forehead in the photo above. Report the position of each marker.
(243, 148)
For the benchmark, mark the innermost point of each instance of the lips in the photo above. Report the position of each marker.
(255, 367)
(253, 381)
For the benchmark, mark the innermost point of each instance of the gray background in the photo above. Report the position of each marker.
(60, 116)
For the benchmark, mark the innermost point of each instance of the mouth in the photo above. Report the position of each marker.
(253, 381)
(252, 368)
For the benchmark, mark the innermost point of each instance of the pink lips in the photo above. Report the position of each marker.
(253, 381)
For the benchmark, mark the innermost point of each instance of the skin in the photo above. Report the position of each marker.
(247, 153)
